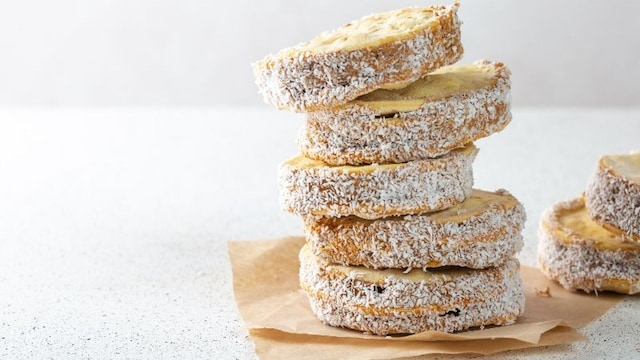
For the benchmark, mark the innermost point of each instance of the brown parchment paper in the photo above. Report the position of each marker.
(280, 321)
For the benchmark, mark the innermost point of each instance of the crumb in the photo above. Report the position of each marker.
(543, 292)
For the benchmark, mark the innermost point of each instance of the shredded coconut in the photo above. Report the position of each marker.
(304, 81)
(484, 239)
(579, 264)
(355, 134)
(411, 304)
(614, 201)
(409, 188)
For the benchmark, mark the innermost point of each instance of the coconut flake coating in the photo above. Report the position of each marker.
(613, 201)
(591, 260)
(392, 302)
(308, 77)
(356, 133)
(481, 232)
(309, 187)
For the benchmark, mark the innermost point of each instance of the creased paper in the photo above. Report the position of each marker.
(280, 321)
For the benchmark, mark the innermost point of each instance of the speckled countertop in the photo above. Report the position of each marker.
(114, 223)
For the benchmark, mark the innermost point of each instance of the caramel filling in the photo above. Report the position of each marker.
(303, 162)
(473, 206)
(444, 82)
(627, 166)
(610, 284)
(476, 204)
(378, 276)
(575, 226)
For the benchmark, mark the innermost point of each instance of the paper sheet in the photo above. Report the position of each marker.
(280, 321)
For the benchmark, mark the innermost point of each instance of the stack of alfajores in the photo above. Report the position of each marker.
(397, 239)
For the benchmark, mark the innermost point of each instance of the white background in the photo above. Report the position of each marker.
(197, 52)
(114, 222)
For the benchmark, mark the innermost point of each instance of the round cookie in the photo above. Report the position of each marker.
(391, 301)
(482, 231)
(580, 254)
(613, 194)
(443, 111)
(385, 50)
(311, 187)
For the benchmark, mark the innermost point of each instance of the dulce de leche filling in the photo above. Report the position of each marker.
(574, 225)
(378, 276)
(479, 202)
(444, 82)
(303, 162)
(626, 166)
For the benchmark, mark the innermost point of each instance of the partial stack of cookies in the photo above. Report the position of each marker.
(398, 241)
(592, 243)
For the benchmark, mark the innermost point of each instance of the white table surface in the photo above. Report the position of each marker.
(114, 223)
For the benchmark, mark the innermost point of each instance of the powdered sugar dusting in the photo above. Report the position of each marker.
(410, 188)
(356, 134)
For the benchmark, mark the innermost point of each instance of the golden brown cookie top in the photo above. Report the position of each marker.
(440, 84)
(626, 166)
(570, 223)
